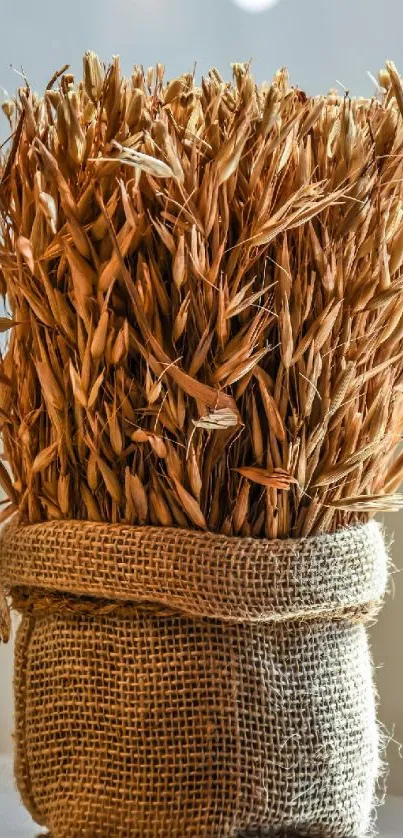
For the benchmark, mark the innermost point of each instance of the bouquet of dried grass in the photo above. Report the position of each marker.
(205, 291)
(206, 300)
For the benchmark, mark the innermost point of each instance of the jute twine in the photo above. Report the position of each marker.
(172, 683)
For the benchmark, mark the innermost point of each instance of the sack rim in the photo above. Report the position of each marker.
(200, 573)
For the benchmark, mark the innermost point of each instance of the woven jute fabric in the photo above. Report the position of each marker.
(200, 574)
(172, 683)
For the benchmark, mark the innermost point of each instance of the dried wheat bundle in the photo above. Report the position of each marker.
(205, 287)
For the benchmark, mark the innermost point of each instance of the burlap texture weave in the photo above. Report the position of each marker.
(172, 683)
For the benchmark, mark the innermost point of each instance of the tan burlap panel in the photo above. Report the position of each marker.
(169, 727)
(230, 694)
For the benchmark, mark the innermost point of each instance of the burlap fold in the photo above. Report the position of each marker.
(172, 683)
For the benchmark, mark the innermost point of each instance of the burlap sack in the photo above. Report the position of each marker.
(172, 683)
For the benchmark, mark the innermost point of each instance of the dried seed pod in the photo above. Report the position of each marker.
(189, 505)
(93, 76)
(44, 458)
(100, 335)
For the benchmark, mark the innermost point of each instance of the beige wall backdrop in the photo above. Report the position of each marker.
(387, 644)
(6, 706)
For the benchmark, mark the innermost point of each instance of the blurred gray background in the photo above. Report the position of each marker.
(325, 44)
(320, 41)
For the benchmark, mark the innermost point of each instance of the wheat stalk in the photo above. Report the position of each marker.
(205, 287)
